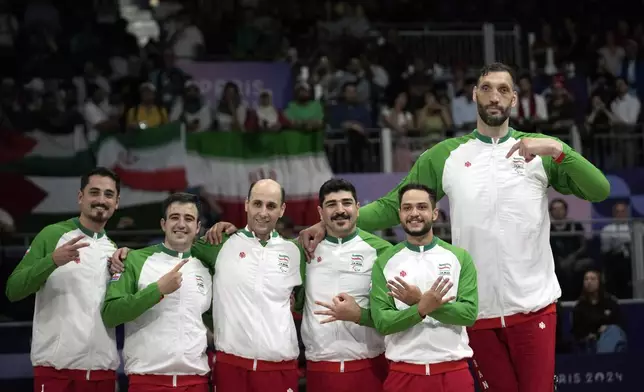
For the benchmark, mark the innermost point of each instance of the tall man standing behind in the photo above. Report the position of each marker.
(426, 340)
(496, 179)
(66, 266)
(165, 341)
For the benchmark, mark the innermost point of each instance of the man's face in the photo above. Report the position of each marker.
(495, 98)
(98, 199)
(417, 215)
(620, 211)
(350, 94)
(264, 208)
(192, 93)
(181, 224)
(558, 211)
(147, 95)
(339, 212)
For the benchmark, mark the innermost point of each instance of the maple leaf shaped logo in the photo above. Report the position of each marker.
(403, 274)
(468, 164)
(242, 255)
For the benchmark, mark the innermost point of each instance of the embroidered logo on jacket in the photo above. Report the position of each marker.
(115, 277)
(283, 262)
(518, 164)
(201, 286)
(444, 269)
(357, 261)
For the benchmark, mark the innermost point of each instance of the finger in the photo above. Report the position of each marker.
(336, 301)
(344, 297)
(324, 304)
(76, 260)
(231, 229)
(219, 233)
(396, 296)
(79, 245)
(436, 283)
(448, 299)
(178, 266)
(402, 282)
(394, 285)
(442, 285)
(210, 236)
(447, 289)
(513, 149)
(309, 256)
(328, 320)
(75, 240)
(324, 312)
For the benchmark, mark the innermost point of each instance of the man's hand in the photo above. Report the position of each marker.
(404, 292)
(343, 308)
(310, 238)
(433, 298)
(69, 251)
(530, 147)
(170, 282)
(215, 234)
(116, 262)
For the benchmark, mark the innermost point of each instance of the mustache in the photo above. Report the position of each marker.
(100, 205)
(340, 216)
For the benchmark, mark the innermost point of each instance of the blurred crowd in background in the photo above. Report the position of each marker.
(71, 64)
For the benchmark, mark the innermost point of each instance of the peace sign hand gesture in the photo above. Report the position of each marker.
(69, 251)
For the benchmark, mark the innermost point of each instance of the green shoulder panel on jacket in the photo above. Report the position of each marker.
(379, 244)
(574, 174)
(464, 310)
(428, 170)
(37, 263)
(300, 292)
(206, 252)
(387, 319)
(123, 300)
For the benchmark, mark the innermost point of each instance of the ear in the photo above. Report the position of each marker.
(357, 209)
(474, 90)
(320, 212)
(515, 99)
(162, 224)
(198, 227)
(116, 204)
(246, 205)
(282, 209)
(434, 214)
(80, 196)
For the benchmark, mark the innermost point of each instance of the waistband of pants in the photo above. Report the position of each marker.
(255, 365)
(428, 369)
(341, 366)
(74, 374)
(508, 321)
(167, 380)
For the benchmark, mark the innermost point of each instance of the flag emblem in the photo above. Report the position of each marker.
(115, 277)
(283, 262)
(201, 286)
(444, 269)
(357, 262)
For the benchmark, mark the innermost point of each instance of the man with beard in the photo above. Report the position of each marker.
(343, 350)
(66, 266)
(426, 340)
(496, 179)
(256, 272)
(165, 341)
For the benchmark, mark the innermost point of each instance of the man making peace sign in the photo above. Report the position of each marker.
(66, 266)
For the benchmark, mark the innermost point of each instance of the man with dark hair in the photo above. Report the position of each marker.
(66, 267)
(155, 328)
(423, 295)
(343, 350)
(496, 179)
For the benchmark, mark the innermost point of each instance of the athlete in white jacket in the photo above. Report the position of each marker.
(497, 180)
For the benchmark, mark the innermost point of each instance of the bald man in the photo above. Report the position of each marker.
(256, 271)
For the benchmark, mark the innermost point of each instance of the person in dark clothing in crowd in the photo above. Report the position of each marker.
(597, 322)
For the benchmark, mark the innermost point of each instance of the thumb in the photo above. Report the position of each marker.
(178, 266)
(344, 297)
(230, 229)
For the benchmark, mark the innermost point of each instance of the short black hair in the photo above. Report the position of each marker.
(497, 67)
(419, 187)
(181, 198)
(281, 191)
(336, 185)
(561, 201)
(101, 172)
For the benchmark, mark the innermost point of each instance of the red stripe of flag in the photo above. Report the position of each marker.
(158, 180)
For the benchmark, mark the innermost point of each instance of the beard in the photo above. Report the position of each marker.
(99, 216)
(493, 120)
(427, 227)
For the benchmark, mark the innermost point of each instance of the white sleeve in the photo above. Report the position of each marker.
(93, 115)
(541, 108)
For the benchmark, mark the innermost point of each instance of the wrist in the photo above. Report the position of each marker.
(557, 150)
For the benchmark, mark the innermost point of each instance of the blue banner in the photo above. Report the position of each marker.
(251, 77)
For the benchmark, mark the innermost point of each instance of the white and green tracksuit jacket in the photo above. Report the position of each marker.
(499, 214)
(341, 265)
(163, 334)
(440, 336)
(68, 332)
(252, 289)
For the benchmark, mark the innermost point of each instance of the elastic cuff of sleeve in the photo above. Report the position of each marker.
(364, 316)
(560, 158)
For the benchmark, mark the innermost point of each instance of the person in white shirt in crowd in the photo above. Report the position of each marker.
(616, 242)
(399, 120)
(192, 109)
(90, 76)
(531, 109)
(231, 112)
(186, 39)
(464, 111)
(98, 114)
(268, 117)
(626, 106)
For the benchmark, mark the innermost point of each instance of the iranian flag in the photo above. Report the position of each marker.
(42, 175)
(225, 164)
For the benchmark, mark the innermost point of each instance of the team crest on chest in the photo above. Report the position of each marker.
(357, 262)
(444, 269)
(518, 164)
(283, 262)
(201, 285)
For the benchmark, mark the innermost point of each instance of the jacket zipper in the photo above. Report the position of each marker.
(499, 288)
